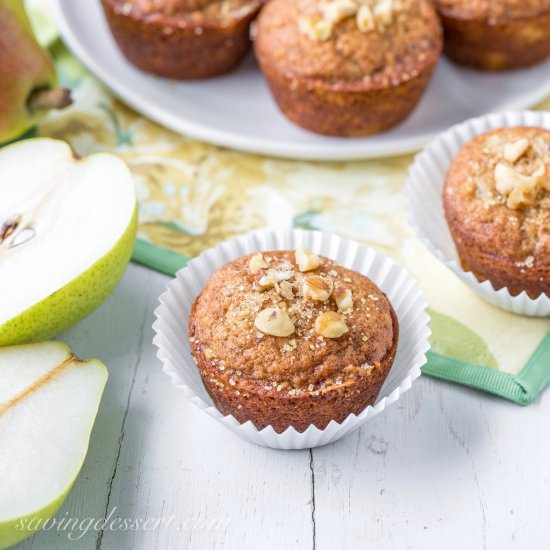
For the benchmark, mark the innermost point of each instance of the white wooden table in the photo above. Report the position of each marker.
(444, 468)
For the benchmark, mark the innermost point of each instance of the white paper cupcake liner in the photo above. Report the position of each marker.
(424, 194)
(175, 304)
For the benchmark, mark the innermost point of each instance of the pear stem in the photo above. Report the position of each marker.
(45, 99)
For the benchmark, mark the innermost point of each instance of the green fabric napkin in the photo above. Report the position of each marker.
(193, 195)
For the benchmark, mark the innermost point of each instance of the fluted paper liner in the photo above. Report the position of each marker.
(175, 304)
(424, 193)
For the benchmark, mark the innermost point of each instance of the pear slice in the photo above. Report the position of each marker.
(48, 403)
(67, 230)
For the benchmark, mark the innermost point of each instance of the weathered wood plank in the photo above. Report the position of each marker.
(210, 488)
(446, 467)
(114, 333)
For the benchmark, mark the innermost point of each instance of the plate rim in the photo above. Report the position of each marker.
(269, 148)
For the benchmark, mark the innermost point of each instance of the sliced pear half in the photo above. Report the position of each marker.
(48, 403)
(67, 230)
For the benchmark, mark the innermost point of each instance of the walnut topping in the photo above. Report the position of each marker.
(344, 299)
(519, 189)
(337, 10)
(505, 178)
(514, 151)
(256, 263)
(317, 288)
(319, 29)
(383, 11)
(274, 276)
(369, 15)
(307, 260)
(330, 325)
(275, 322)
(521, 197)
(285, 289)
(365, 19)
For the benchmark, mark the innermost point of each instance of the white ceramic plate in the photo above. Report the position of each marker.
(237, 110)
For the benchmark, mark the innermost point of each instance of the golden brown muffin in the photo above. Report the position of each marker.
(496, 34)
(292, 339)
(348, 67)
(497, 205)
(182, 39)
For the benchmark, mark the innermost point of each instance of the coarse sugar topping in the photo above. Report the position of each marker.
(290, 325)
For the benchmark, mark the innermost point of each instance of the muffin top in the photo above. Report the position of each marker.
(498, 191)
(492, 10)
(350, 43)
(194, 10)
(291, 321)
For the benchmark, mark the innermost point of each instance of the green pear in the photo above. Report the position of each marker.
(28, 81)
(48, 403)
(67, 231)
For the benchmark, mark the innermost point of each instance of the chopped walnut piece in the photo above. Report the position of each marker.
(521, 196)
(274, 276)
(514, 151)
(365, 19)
(383, 12)
(275, 322)
(338, 10)
(307, 260)
(520, 190)
(317, 288)
(256, 263)
(330, 325)
(285, 289)
(545, 176)
(344, 299)
(319, 29)
(505, 178)
(369, 16)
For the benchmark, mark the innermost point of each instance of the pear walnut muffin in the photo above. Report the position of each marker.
(182, 39)
(348, 67)
(292, 339)
(497, 205)
(496, 34)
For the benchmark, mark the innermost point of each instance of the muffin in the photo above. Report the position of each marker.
(292, 339)
(182, 39)
(348, 67)
(496, 34)
(497, 204)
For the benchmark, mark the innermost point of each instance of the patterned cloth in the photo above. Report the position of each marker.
(193, 195)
